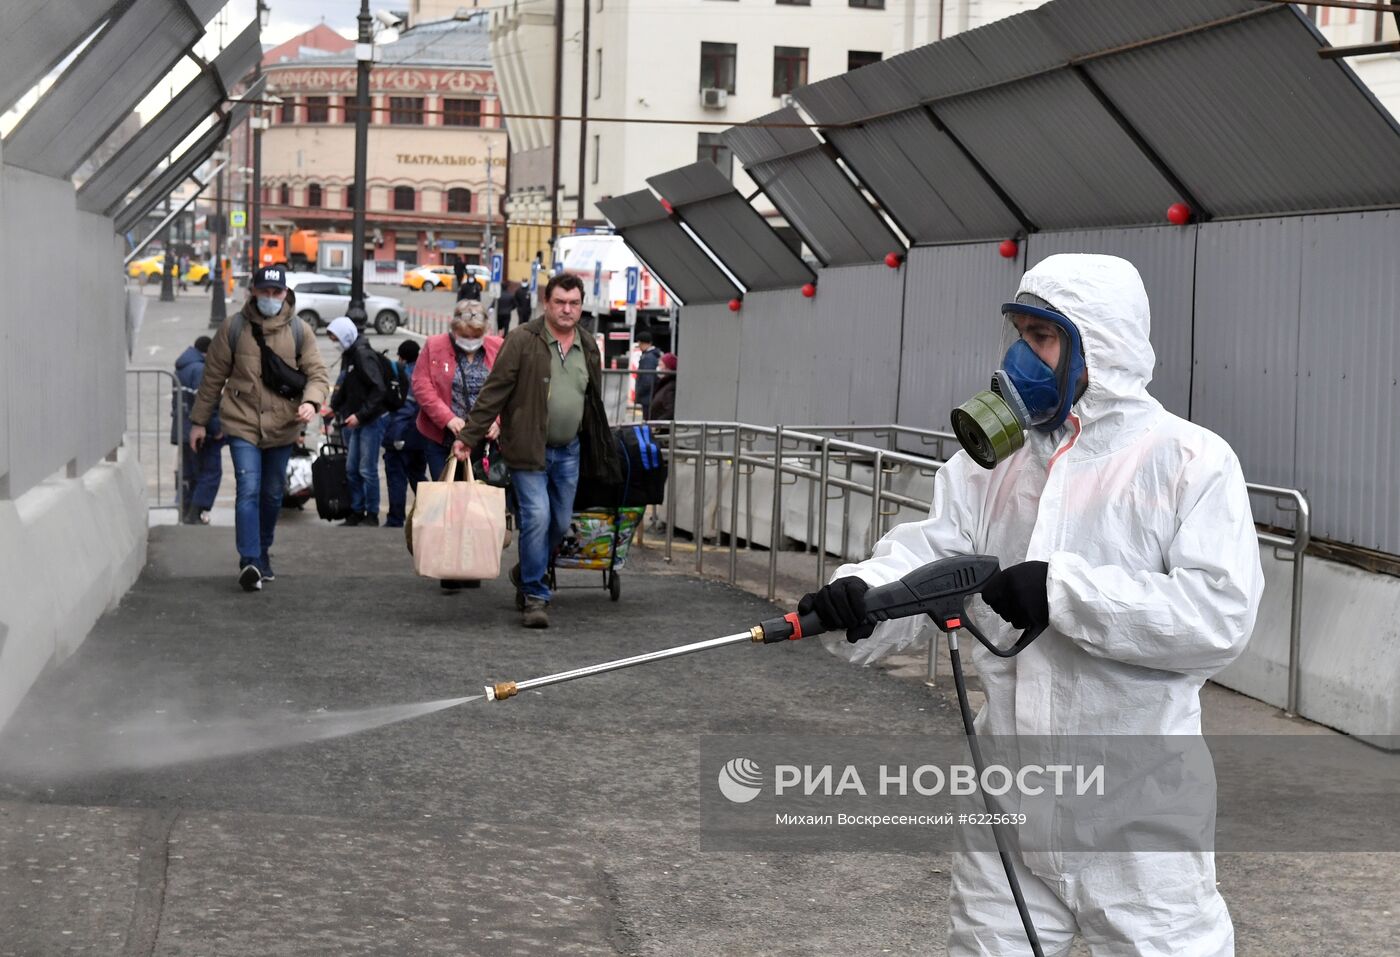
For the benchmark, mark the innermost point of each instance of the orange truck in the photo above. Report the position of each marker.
(298, 251)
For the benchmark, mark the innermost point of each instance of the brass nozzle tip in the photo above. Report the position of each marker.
(503, 689)
(756, 633)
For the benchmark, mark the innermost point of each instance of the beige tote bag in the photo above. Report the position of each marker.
(458, 528)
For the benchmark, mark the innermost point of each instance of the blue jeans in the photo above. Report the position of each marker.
(201, 473)
(545, 503)
(437, 456)
(362, 465)
(404, 468)
(260, 476)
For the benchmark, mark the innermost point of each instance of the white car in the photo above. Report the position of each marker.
(323, 298)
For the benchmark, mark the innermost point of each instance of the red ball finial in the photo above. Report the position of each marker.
(809, 290)
(1178, 214)
(734, 305)
(666, 205)
(1009, 248)
(893, 260)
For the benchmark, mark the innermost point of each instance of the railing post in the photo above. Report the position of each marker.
(734, 508)
(821, 512)
(1302, 538)
(775, 519)
(877, 501)
(700, 498)
(671, 488)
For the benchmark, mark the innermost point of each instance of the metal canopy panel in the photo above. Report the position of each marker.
(238, 109)
(152, 143)
(999, 52)
(1083, 27)
(1255, 122)
(240, 57)
(35, 36)
(170, 177)
(666, 249)
(102, 86)
(1059, 154)
(733, 230)
(811, 191)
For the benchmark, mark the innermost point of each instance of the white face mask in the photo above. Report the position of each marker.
(467, 345)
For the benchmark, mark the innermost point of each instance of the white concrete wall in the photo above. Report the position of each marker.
(69, 550)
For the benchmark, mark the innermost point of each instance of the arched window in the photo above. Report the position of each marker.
(403, 197)
(459, 200)
(349, 197)
(284, 195)
(313, 194)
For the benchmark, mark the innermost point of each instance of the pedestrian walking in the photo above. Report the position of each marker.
(1126, 532)
(264, 375)
(522, 303)
(358, 404)
(201, 472)
(547, 389)
(447, 381)
(405, 458)
(663, 400)
(648, 358)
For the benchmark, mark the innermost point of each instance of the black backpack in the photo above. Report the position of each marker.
(397, 388)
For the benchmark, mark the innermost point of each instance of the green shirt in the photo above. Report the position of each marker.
(568, 383)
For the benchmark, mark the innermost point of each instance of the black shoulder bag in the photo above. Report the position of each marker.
(287, 381)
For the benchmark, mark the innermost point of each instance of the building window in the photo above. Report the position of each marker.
(598, 73)
(461, 112)
(597, 151)
(794, 3)
(349, 197)
(717, 65)
(711, 147)
(289, 110)
(459, 200)
(868, 4)
(406, 110)
(789, 69)
(284, 195)
(403, 197)
(313, 194)
(318, 109)
(350, 109)
(855, 59)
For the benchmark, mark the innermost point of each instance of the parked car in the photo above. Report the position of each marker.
(151, 267)
(322, 298)
(428, 278)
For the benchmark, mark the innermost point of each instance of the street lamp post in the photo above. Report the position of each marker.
(217, 310)
(258, 123)
(364, 56)
(167, 285)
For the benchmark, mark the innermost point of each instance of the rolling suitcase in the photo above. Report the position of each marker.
(330, 483)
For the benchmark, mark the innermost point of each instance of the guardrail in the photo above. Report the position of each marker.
(810, 452)
(148, 402)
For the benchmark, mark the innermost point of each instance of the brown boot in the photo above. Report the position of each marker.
(535, 615)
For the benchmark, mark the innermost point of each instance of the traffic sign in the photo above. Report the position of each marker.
(633, 277)
(497, 267)
(238, 219)
(597, 279)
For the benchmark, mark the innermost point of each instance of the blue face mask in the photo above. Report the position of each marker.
(1034, 382)
(268, 306)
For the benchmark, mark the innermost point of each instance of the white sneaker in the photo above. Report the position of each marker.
(250, 578)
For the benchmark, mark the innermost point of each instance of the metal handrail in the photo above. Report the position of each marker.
(814, 464)
(140, 375)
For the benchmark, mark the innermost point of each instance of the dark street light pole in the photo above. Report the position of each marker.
(217, 310)
(167, 284)
(364, 55)
(257, 120)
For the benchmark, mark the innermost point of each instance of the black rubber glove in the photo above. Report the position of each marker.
(840, 605)
(1018, 594)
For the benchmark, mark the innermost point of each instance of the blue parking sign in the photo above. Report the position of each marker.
(633, 277)
(597, 279)
(496, 267)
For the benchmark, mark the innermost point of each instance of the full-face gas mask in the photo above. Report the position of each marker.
(1026, 392)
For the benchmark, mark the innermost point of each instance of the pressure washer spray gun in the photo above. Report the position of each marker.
(939, 590)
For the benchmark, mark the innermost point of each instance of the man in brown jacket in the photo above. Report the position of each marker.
(547, 388)
(266, 377)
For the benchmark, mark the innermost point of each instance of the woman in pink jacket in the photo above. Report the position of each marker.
(450, 372)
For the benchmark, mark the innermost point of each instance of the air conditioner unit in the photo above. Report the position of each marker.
(714, 98)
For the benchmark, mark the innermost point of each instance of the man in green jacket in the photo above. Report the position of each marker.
(547, 388)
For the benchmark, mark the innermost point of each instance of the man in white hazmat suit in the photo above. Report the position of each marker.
(1126, 530)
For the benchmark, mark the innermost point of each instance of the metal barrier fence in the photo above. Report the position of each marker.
(815, 453)
(426, 322)
(149, 407)
(619, 393)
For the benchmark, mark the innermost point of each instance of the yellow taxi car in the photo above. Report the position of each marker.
(428, 278)
(150, 268)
